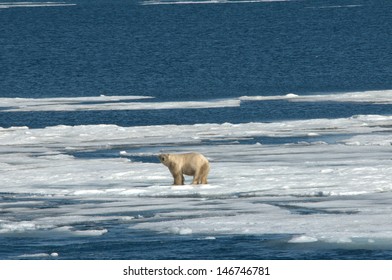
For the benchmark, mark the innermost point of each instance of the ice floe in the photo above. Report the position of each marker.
(314, 190)
(378, 97)
(39, 255)
(105, 103)
(201, 2)
(6, 5)
(335, 6)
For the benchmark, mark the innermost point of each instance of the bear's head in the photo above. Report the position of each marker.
(164, 158)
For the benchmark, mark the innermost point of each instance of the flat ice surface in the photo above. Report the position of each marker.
(6, 5)
(105, 103)
(317, 191)
(200, 2)
(378, 97)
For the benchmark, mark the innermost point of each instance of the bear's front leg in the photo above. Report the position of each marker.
(178, 179)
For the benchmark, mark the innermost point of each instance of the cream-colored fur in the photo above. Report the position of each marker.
(191, 164)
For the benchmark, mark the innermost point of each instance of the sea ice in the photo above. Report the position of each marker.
(303, 239)
(379, 97)
(6, 5)
(105, 103)
(126, 102)
(198, 2)
(336, 192)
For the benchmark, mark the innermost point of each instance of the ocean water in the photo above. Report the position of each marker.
(252, 84)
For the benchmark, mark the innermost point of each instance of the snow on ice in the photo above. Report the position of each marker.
(314, 190)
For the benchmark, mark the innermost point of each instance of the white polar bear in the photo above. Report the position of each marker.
(191, 164)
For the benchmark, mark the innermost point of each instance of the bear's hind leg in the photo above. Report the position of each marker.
(196, 180)
(204, 173)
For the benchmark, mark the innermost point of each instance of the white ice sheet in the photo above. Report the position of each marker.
(317, 192)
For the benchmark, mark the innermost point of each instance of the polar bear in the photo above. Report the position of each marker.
(192, 164)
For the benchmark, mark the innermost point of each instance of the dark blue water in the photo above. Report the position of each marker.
(121, 243)
(192, 52)
(184, 52)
